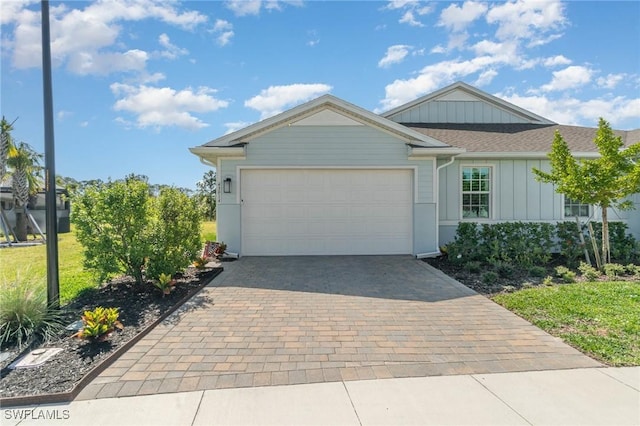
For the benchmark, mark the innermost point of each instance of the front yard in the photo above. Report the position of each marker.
(602, 319)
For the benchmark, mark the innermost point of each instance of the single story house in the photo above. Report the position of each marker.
(331, 178)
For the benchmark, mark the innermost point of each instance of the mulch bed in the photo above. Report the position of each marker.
(140, 306)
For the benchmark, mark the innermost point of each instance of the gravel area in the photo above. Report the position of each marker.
(139, 306)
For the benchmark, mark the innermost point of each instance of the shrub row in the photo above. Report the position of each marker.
(528, 244)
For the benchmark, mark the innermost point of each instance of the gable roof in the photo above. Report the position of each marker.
(480, 139)
(325, 102)
(459, 92)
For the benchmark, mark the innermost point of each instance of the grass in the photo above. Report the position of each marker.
(599, 318)
(74, 279)
(209, 231)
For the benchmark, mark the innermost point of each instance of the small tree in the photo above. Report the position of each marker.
(111, 224)
(206, 194)
(604, 181)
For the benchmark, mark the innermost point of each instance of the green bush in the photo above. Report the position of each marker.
(111, 223)
(624, 247)
(612, 270)
(174, 234)
(537, 271)
(24, 316)
(466, 246)
(489, 277)
(504, 269)
(567, 275)
(123, 229)
(588, 271)
(473, 266)
(633, 270)
(569, 243)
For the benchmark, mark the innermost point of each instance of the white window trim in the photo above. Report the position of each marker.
(564, 215)
(492, 192)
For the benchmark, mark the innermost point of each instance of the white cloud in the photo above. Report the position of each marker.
(163, 106)
(485, 78)
(458, 18)
(171, 50)
(438, 49)
(527, 19)
(410, 9)
(552, 61)
(235, 125)
(62, 114)
(569, 78)
(253, 7)
(224, 31)
(573, 111)
(395, 54)
(87, 40)
(83, 124)
(275, 99)
(611, 81)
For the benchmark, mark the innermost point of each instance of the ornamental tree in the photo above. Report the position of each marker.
(604, 181)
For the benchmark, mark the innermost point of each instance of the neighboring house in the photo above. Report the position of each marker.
(36, 207)
(328, 177)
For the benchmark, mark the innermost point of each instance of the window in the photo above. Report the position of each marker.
(476, 192)
(573, 208)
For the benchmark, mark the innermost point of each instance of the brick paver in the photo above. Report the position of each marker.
(276, 321)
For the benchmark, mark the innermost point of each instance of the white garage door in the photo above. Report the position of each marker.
(326, 212)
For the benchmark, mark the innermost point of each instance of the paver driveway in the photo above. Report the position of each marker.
(273, 321)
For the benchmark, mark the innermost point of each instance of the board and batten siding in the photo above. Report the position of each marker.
(516, 196)
(456, 112)
(328, 147)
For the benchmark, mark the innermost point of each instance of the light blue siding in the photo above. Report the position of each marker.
(327, 147)
(457, 112)
(425, 239)
(517, 196)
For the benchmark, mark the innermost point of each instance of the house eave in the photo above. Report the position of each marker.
(521, 154)
(416, 153)
(210, 154)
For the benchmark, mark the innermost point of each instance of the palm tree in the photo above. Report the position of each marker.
(25, 165)
(5, 145)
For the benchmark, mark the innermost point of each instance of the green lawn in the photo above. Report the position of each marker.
(73, 277)
(602, 319)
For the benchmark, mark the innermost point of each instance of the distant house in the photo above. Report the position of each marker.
(328, 177)
(36, 207)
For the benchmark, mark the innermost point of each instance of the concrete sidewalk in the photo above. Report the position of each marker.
(591, 396)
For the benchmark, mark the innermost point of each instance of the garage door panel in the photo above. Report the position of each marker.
(313, 211)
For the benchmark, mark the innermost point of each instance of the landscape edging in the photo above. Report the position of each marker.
(58, 397)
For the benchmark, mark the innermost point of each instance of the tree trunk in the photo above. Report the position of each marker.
(21, 224)
(606, 252)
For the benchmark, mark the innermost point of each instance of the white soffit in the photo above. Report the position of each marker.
(327, 117)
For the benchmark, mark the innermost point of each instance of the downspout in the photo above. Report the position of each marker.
(207, 162)
(440, 167)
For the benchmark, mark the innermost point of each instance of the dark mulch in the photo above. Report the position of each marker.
(139, 306)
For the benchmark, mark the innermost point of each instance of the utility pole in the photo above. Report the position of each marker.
(53, 284)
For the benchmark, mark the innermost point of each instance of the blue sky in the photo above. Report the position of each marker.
(138, 82)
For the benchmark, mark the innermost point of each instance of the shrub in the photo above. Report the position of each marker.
(567, 275)
(473, 267)
(548, 280)
(614, 270)
(24, 315)
(633, 270)
(569, 243)
(504, 269)
(624, 247)
(466, 246)
(588, 271)
(111, 224)
(489, 277)
(174, 233)
(123, 229)
(537, 271)
(99, 323)
(200, 263)
(165, 283)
